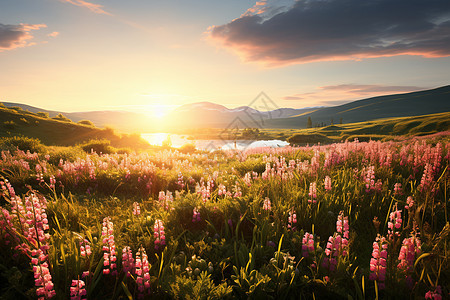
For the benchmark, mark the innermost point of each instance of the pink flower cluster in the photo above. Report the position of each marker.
(398, 189)
(378, 262)
(77, 290)
(337, 245)
(196, 216)
(267, 205)
(136, 209)
(307, 244)
(369, 179)
(142, 273)
(395, 222)
(292, 219)
(165, 200)
(434, 295)
(427, 178)
(42, 276)
(180, 181)
(410, 248)
(127, 261)
(312, 192)
(109, 247)
(327, 183)
(85, 248)
(159, 235)
(409, 203)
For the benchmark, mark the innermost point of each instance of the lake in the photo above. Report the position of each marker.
(178, 140)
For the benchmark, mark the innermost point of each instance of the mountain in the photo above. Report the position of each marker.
(399, 105)
(206, 114)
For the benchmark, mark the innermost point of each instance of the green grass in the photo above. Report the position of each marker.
(60, 131)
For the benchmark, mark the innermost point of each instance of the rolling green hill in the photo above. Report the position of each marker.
(58, 131)
(400, 105)
(376, 129)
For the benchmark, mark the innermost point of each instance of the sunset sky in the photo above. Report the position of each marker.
(79, 55)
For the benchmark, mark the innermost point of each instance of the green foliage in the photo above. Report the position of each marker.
(9, 124)
(187, 148)
(98, 146)
(86, 122)
(61, 117)
(21, 143)
(42, 114)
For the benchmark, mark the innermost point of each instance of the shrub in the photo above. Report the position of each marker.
(25, 121)
(61, 117)
(23, 143)
(9, 124)
(308, 138)
(98, 146)
(87, 123)
(187, 148)
(42, 114)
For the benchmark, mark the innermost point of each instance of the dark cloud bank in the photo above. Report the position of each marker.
(315, 30)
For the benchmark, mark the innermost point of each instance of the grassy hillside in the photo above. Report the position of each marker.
(375, 130)
(400, 105)
(58, 131)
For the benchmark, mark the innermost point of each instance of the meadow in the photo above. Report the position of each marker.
(349, 220)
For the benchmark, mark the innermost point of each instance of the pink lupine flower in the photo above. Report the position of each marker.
(307, 244)
(42, 276)
(337, 245)
(398, 189)
(434, 295)
(378, 262)
(248, 179)
(267, 205)
(180, 181)
(395, 222)
(427, 178)
(292, 219)
(136, 209)
(159, 234)
(410, 248)
(85, 248)
(327, 183)
(142, 273)
(109, 247)
(77, 290)
(222, 190)
(237, 191)
(409, 203)
(127, 261)
(312, 192)
(196, 216)
(165, 200)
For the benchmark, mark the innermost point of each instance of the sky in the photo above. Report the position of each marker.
(142, 55)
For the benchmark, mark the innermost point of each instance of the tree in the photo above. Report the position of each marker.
(309, 123)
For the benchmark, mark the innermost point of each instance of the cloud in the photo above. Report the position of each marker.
(96, 8)
(324, 30)
(292, 98)
(343, 93)
(364, 89)
(16, 36)
(53, 34)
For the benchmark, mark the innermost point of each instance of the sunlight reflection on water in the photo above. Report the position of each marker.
(176, 141)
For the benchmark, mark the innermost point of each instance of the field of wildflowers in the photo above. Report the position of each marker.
(353, 220)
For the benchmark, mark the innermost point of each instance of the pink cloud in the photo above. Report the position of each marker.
(96, 8)
(53, 34)
(17, 36)
(343, 93)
